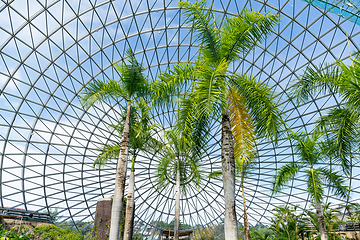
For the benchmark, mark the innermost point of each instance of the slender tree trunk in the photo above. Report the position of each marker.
(120, 177)
(246, 223)
(129, 207)
(321, 221)
(228, 169)
(177, 205)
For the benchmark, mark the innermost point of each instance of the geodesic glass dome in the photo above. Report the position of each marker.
(49, 50)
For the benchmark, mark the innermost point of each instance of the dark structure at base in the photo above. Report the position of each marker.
(103, 217)
(183, 235)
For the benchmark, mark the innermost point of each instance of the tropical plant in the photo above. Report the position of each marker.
(261, 234)
(318, 176)
(341, 123)
(177, 164)
(140, 139)
(287, 223)
(209, 90)
(131, 86)
(332, 222)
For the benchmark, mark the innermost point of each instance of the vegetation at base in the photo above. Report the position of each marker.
(43, 232)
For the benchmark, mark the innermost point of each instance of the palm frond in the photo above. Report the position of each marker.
(266, 116)
(315, 183)
(165, 171)
(132, 78)
(211, 88)
(97, 91)
(349, 83)
(307, 147)
(241, 33)
(215, 175)
(107, 152)
(336, 182)
(315, 80)
(202, 22)
(171, 84)
(241, 127)
(284, 175)
(341, 127)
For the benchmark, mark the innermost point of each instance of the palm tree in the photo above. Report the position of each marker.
(132, 85)
(342, 122)
(207, 88)
(140, 139)
(312, 155)
(178, 164)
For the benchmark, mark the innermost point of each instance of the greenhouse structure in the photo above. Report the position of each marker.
(286, 71)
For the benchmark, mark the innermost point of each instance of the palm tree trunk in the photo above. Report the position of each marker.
(228, 169)
(321, 221)
(120, 177)
(246, 223)
(129, 207)
(177, 205)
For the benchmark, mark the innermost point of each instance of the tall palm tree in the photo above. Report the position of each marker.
(312, 156)
(178, 164)
(342, 122)
(140, 140)
(132, 85)
(207, 87)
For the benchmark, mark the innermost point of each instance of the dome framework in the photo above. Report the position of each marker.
(50, 50)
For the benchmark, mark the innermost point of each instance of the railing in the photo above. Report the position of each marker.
(25, 215)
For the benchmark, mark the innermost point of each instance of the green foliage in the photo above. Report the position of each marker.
(140, 134)
(341, 123)
(201, 88)
(54, 232)
(43, 232)
(332, 222)
(165, 226)
(15, 234)
(311, 156)
(287, 223)
(176, 154)
(261, 234)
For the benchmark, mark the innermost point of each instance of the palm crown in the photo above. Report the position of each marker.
(210, 89)
(342, 122)
(177, 154)
(312, 161)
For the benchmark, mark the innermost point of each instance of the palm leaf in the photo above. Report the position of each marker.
(132, 77)
(172, 84)
(336, 183)
(284, 175)
(202, 22)
(267, 118)
(107, 152)
(349, 82)
(241, 127)
(315, 80)
(341, 127)
(97, 91)
(315, 184)
(241, 33)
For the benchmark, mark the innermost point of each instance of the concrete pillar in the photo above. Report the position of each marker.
(102, 219)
